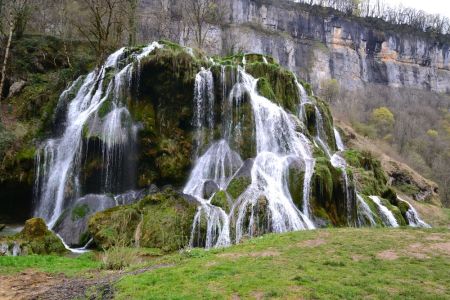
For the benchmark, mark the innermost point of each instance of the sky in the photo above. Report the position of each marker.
(441, 7)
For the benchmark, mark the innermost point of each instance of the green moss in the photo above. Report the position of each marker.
(368, 173)
(104, 109)
(264, 89)
(35, 238)
(237, 186)
(281, 81)
(80, 211)
(311, 122)
(395, 211)
(295, 184)
(374, 208)
(160, 221)
(220, 199)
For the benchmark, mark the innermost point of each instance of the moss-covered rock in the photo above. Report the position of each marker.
(283, 89)
(367, 171)
(328, 195)
(72, 224)
(220, 199)
(237, 186)
(162, 220)
(35, 238)
(296, 177)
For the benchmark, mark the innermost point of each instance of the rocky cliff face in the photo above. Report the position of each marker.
(320, 44)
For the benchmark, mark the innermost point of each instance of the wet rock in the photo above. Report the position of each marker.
(209, 188)
(246, 169)
(72, 224)
(4, 249)
(131, 197)
(16, 88)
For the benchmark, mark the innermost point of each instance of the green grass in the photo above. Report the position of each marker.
(336, 263)
(71, 266)
(324, 264)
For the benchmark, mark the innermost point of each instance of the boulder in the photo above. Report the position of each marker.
(72, 224)
(296, 176)
(131, 197)
(162, 220)
(209, 188)
(241, 180)
(16, 88)
(35, 238)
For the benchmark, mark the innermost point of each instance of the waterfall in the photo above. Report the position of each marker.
(338, 161)
(413, 217)
(59, 159)
(364, 212)
(386, 215)
(203, 108)
(339, 143)
(277, 142)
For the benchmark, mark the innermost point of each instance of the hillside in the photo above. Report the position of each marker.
(321, 264)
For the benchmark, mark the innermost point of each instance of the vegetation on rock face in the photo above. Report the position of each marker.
(160, 220)
(35, 238)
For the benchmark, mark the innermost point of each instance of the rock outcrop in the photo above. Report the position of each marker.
(321, 43)
(35, 238)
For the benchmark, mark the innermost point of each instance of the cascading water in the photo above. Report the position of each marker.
(59, 160)
(364, 213)
(339, 142)
(277, 143)
(413, 217)
(386, 215)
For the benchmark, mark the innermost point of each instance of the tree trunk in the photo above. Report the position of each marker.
(5, 60)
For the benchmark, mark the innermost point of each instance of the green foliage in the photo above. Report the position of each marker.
(80, 211)
(330, 90)
(383, 119)
(237, 186)
(119, 257)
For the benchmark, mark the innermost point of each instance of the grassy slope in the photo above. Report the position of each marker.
(326, 264)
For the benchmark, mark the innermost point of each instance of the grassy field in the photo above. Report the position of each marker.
(321, 264)
(325, 264)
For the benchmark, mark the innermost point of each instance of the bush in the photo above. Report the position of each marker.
(119, 258)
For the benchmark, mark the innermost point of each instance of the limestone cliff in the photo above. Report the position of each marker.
(320, 44)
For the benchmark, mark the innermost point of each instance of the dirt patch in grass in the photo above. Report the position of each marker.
(442, 247)
(387, 255)
(257, 295)
(311, 243)
(435, 237)
(267, 253)
(38, 285)
(27, 285)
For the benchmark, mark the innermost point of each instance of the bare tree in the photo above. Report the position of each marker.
(103, 25)
(16, 14)
(201, 15)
